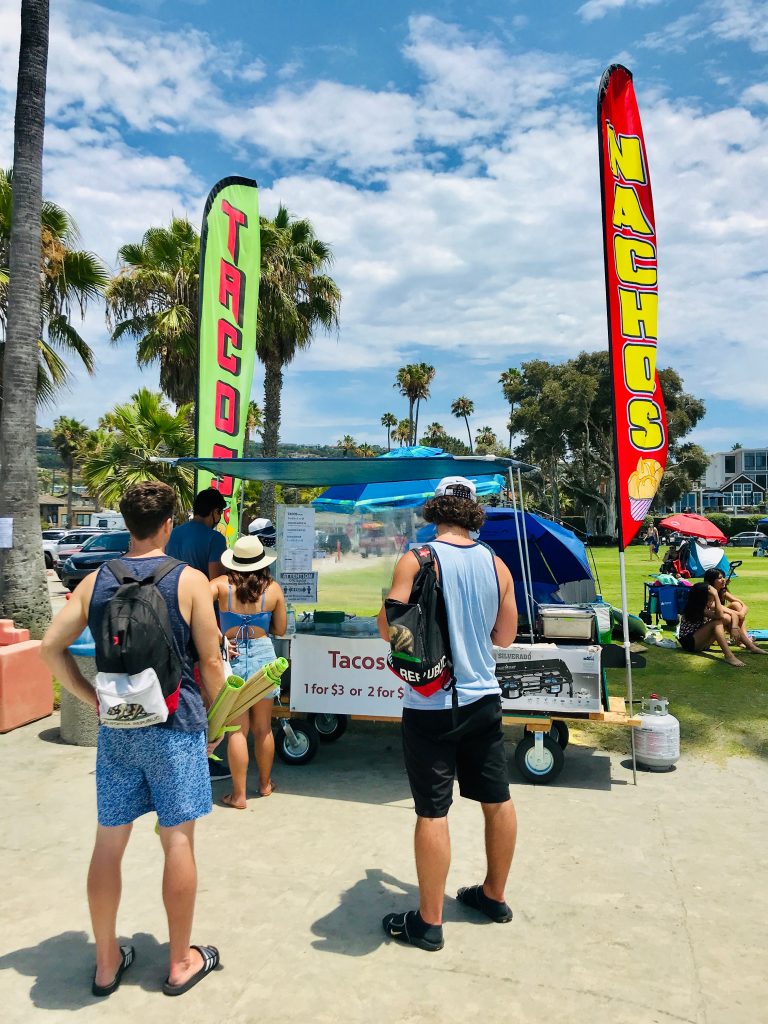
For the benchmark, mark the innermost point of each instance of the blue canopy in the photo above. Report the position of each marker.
(316, 472)
(403, 492)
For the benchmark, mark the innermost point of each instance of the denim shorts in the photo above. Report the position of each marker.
(252, 655)
(152, 769)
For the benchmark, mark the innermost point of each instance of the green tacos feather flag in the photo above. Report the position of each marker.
(229, 300)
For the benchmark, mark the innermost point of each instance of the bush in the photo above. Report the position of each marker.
(722, 521)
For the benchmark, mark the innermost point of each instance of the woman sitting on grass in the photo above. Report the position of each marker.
(702, 622)
(734, 611)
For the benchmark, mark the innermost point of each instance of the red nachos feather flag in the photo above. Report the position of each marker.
(631, 284)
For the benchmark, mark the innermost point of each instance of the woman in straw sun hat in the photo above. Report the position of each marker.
(251, 605)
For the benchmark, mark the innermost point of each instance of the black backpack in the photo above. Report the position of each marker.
(420, 646)
(136, 631)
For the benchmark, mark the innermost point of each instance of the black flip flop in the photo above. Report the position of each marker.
(473, 896)
(397, 927)
(211, 961)
(129, 955)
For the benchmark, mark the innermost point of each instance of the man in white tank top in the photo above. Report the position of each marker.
(441, 742)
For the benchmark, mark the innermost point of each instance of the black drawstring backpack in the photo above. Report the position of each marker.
(420, 646)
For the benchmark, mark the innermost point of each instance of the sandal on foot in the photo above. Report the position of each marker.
(411, 930)
(129, 955)
(473, 896)
(211, 961)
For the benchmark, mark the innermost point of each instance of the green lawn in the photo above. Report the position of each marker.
(722, 710)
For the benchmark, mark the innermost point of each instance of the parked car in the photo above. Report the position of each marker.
(53, 534)
(72, 541)
(95, 551)
(746, 539)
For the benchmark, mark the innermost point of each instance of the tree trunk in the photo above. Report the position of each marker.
(410, 421)
(273, 386)
(469, 435)
(23, 586)
(555, 488)
(70, 482)
(611, 526)
(388, 439)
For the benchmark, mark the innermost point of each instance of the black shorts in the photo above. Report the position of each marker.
(436, 752)
(688, 642)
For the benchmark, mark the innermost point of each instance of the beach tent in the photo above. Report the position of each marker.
(401, 493)
(560, 570)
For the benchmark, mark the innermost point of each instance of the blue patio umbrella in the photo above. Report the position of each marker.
(373, 497)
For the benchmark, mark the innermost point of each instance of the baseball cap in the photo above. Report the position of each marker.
(260, 524)
(456, 487)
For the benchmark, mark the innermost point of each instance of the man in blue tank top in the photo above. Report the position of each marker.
(441, 743)
(161, 768)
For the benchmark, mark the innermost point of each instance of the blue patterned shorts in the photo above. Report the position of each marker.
(152, 769)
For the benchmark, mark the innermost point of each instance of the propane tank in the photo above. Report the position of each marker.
(657, 740)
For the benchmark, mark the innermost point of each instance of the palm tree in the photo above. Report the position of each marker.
(68, 278)
(348, 443)
(296, 297)
(402, 432)
(485, 439)
(388, 420)
(366, 451)
(413, 381)
(463, 408)
(138, 433)
(512, 384)
(433, 434)
(254, 424)
(23, 586)
(153, 300)
(67, 437)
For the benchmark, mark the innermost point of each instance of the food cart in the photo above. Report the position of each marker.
(338, 667)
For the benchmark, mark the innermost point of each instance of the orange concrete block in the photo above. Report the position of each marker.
(26, 685)
(10, 635)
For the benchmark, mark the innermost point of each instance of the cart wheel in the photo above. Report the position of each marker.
(329, 727)
(552, 761)
(299, 748)
(560, 733)
(646, 617)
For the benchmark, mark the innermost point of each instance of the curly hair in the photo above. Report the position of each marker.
(454, 511)
(249, 586)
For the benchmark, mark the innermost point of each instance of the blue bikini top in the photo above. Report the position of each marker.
(236, 620)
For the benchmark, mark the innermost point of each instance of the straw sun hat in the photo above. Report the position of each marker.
(248, 555)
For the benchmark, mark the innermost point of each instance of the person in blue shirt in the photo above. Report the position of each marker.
(198, 542)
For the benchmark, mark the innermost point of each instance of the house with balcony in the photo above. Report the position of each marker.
(735, 481)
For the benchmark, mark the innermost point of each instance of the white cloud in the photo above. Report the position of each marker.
(755, 94)
(742, 21)
(593, 10)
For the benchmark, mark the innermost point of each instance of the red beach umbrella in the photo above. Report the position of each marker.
(690, 524)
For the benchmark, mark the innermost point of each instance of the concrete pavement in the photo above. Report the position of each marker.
(632, 905)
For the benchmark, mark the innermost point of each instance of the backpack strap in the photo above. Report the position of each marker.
(119, 570)
(162, 570)
(424, 555)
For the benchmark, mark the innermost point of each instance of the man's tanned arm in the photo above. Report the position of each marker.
(67, 626)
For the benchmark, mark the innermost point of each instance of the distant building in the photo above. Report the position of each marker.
(53, 509)
(734, 481)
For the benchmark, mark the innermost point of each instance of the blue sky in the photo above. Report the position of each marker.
(447, 152)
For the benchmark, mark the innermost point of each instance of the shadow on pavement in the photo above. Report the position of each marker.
(354, 928)
(63, 965)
